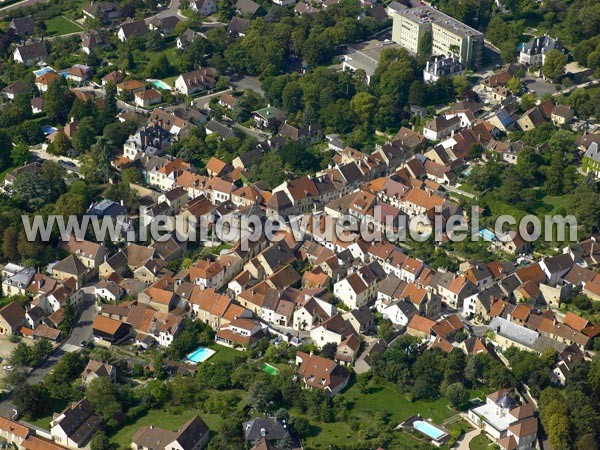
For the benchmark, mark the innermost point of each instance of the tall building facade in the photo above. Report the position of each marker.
(448, 36)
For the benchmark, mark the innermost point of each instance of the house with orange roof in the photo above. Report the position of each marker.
(448, 327)
(316, 372)
(216, 167)
(420, 327)
(109, 331)
(456, 291)
(347, 350)
(43, 81)
(13, 432)
(208, 274)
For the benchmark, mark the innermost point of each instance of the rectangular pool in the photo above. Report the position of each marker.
(199, 355)
(268, 368)
(428, 429)
(160, 84)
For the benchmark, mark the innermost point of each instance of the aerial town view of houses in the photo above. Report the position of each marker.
(169, 170)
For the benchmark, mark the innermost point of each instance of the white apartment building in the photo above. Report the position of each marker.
(448, 35)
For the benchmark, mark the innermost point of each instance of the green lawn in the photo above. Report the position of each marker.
(480, 442)
(386, 398)
(160, 418)
(224, 353)
(60, 25)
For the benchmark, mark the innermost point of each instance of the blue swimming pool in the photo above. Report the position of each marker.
(488, 235)
(428, 429)
(160, 84)
(41, 72)
(199, 355)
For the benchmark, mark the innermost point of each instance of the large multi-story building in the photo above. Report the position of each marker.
(448, 36)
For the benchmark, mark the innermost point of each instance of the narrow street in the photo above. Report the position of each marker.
(80, 333)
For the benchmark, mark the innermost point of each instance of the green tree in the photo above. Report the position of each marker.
(31, 400)
(60, 145)
(20, 154)
(58, 100)
(100, 441)
(69, 204)
(363, 107)
(457, 394)
(554, 65)
(514, 84)
(10, 249)
(85, 135)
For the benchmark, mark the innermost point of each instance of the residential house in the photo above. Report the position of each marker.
(132, 29)
(203, 7)
(240, 332)
(22, 26)
(30, 54)
(591, 160)
(109, 331)
(102, 11)
(246, 7)
(12, 317)
(147, 97)
(75, 426)
(317, 372)
(96, 369)
(91, 41)
(440, 127)
(196, 81)
(534, 52)
(44, 81)
(238, 27)
(510, 425)
(16, 279)
(12, 90)
(365, 361)
(269, 117)
(562, 115)
(267, 429)
(186, 38)
(91, 254)
(79, 73)
(115, 77)
(193, 435)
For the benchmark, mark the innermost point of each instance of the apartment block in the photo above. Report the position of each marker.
(448, 35)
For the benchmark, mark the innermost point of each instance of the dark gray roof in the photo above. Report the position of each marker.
(247, 7)
(269, 428)
(23, 25)
(71, 265)
(79, 421)
(238, 26)
(33, 50)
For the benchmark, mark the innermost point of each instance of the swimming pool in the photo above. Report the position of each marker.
(428, 429)
(160, 84)
(48, 130)
(488, 235)
(40, 72)
(270, 369)
(199, 355)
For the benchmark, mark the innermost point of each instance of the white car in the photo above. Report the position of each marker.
(8, 368)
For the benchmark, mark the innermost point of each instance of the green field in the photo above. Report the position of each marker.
(60, 25)
(225, 353)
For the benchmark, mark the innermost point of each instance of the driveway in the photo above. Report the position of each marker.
(82, 331)
(172, 10)
(462, 443)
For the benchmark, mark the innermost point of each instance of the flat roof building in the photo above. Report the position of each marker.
(448, 36)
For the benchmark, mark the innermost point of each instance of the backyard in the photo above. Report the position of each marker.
(60, 25)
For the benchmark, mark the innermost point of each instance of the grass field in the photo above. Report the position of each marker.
(224, 353)
(60, 25)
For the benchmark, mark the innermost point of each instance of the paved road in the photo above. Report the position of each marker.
(81, 332)
(21, 4)
(172, 10)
